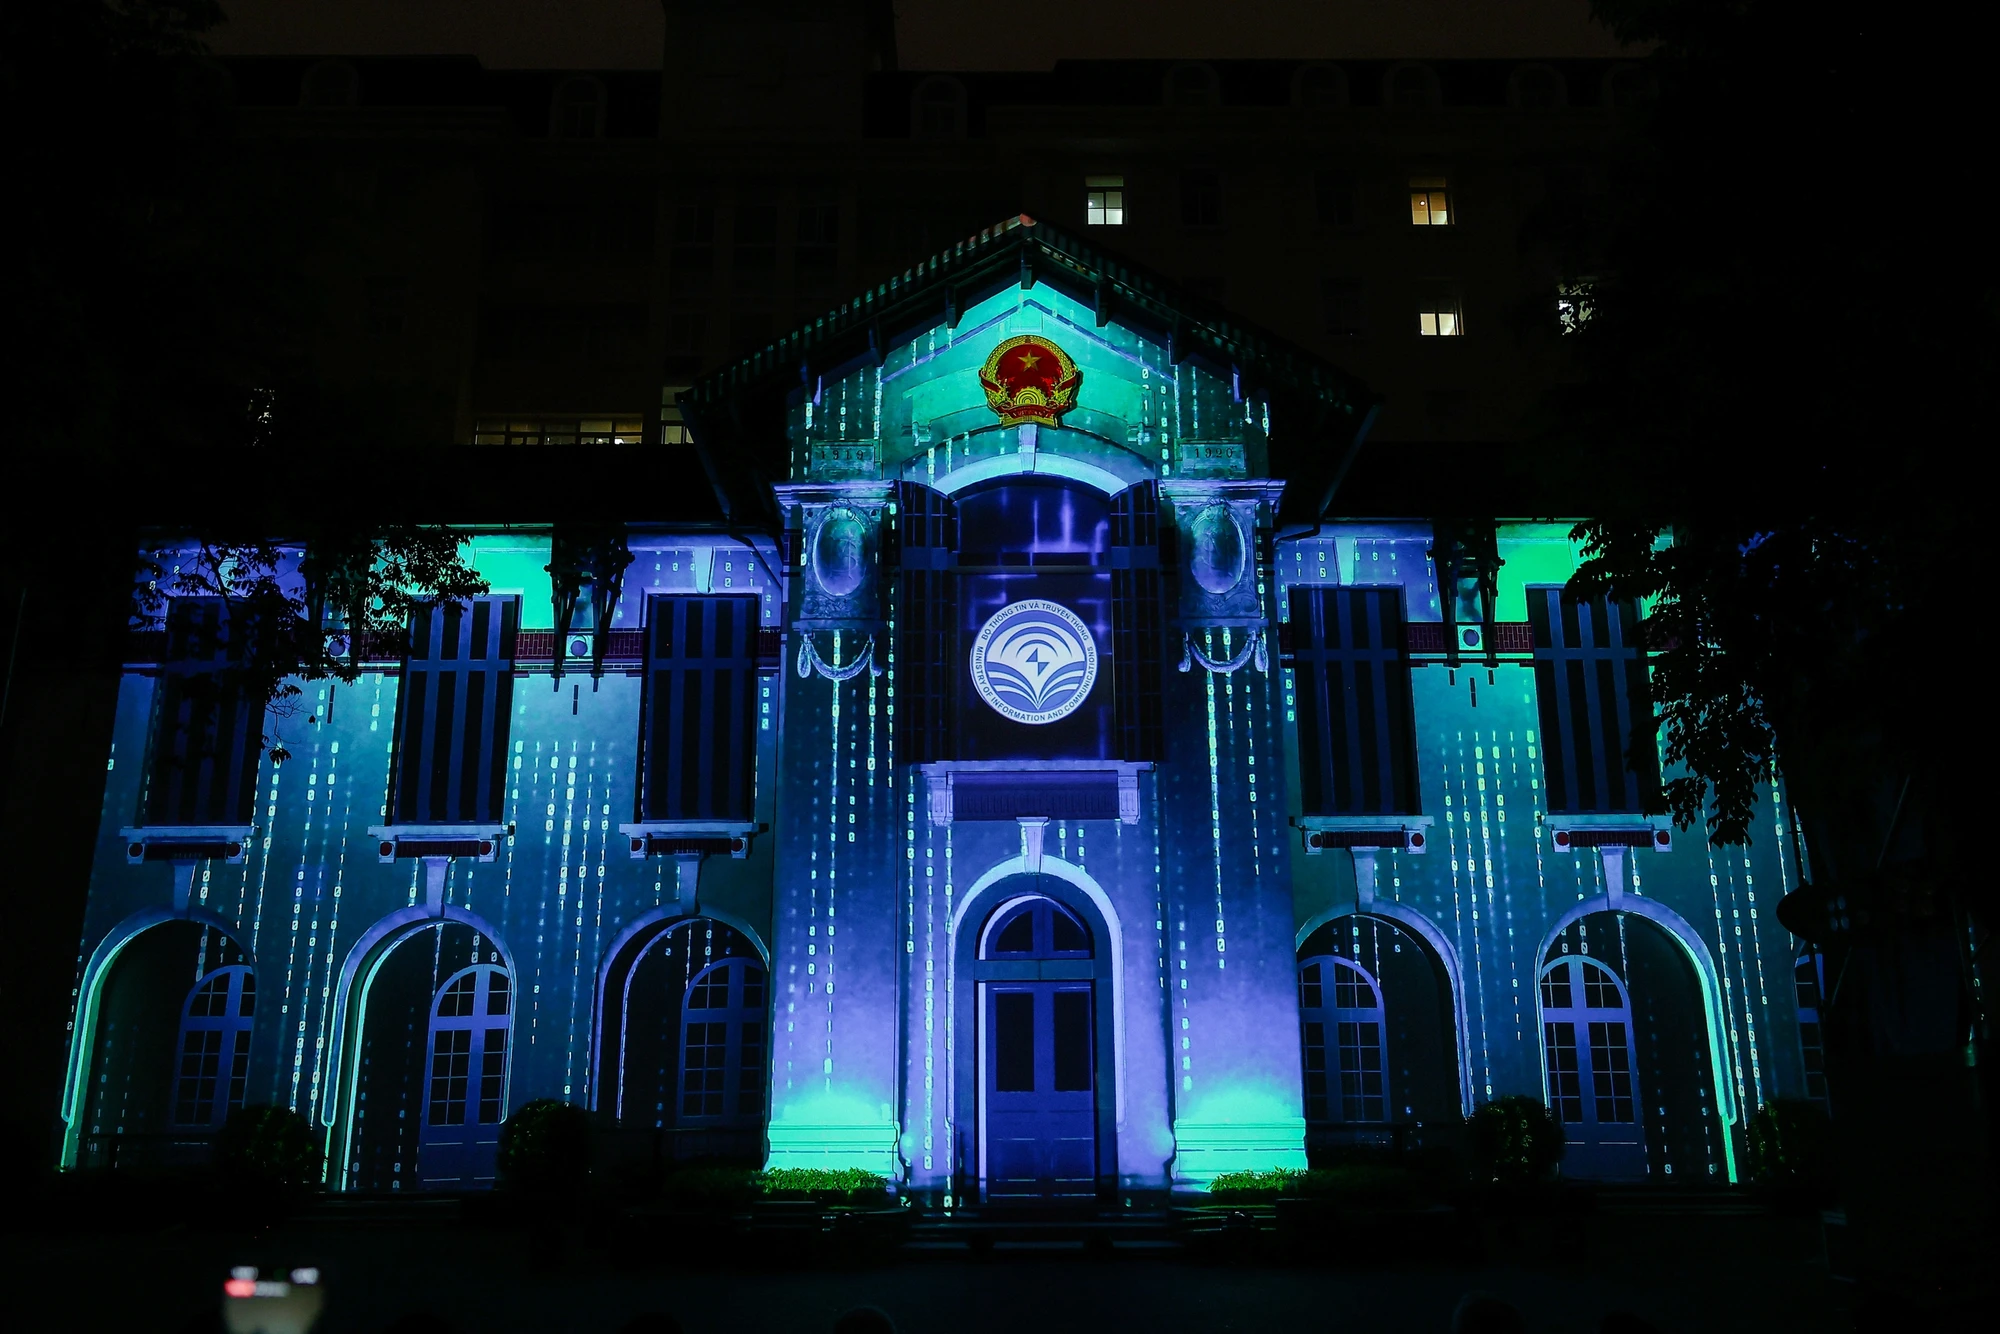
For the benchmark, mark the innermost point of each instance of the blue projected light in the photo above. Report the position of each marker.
(1034, 661)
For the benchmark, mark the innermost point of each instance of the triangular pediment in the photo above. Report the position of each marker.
(901, 382)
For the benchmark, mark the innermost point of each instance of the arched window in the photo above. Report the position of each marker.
(1320, 86)
(1191, 86)
(1412, 88)
(466, 1097)
(330, 83)
(214, 1048)
(1587, 1048)
(579, 109)
(940, 109)
(722, 1044)
(1538, 88)
(1341, 1036)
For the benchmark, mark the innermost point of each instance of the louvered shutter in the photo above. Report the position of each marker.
(698, 730)
(1590, 687)
(1135, 621)
(453, 715)
(927, 656)
(208, 733)
(1352, 686)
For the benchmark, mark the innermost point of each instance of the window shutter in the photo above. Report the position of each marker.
(927, 657)
(1356, 739)
(457, 701)
(1590, 687)
(208, 733)
(1135, 621)
(699, 728)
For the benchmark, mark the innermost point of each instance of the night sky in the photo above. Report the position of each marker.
(936, 34)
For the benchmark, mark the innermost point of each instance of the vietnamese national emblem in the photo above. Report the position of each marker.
(1030, 379)
(1034, 661)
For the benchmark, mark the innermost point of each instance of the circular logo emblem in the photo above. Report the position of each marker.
(1034, 661)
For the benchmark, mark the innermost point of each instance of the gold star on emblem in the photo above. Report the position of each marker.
(1028, 359)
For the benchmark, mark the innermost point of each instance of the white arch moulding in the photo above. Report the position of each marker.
(1077, 878)
(363, 962)
(1427, 932)
(1696, 949)
(1040, 463)
(83, 1035)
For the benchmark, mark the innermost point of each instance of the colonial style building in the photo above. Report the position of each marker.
(1035, 771)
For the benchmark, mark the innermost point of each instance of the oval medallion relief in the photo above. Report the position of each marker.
(1220, 553)
(840, 552)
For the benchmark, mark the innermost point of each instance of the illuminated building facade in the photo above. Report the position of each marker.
(1027, 787)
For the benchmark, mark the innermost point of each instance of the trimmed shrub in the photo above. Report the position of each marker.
(1791, 1149)
(545, 1149)
(1252, 1187)
(847, 1185)
(269, 1149)
(1513, 1141)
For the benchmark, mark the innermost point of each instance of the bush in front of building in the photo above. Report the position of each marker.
(1790, 1142)
(269, 1151)
(847, 1185)
(1513, 1141)
(545, 1149)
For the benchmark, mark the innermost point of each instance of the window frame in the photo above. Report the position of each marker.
(233, 1031)
(1445, 310)
(1345, 1029)
(1431, 201)
(481, 1074)
(921, 104)
(561, 104)
(1104, 197)
(1573, 1009)
(739, 1018)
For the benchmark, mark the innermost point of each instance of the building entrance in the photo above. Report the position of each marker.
(1037, 1054)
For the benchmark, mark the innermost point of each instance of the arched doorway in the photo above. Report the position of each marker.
(170, 1048)
(1626, 1034)
(1042, 1049)
(685, 1041)
(465, 1099)
(1377, 1039)
(424, 1115)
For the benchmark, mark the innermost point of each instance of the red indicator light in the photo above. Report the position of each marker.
(239, 1287)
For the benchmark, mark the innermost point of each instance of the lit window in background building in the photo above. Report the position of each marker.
(673, 429)
(1438, 317)
(1430, 202)
(1104, 201)
(558, 431)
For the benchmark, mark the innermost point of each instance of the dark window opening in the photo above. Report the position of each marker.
(1201, 197)
(454, 712)
(1351, 682)
(1594, 704)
